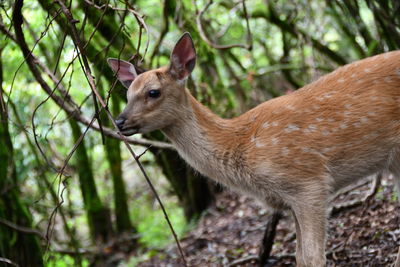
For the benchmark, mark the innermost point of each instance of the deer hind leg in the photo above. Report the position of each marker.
(310, 219)
(394, 168)
(396, 177)
(299, 249)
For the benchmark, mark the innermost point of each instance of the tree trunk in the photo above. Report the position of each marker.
(113, 154)
(16, 245)
(98, 215)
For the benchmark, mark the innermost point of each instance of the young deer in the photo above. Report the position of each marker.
(291, 152)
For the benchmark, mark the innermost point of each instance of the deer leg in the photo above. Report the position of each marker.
(269, 236)
(310, 217)
(396, 178)
(394, 168)
(299, 252)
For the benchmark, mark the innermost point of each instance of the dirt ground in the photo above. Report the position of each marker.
(366, 235)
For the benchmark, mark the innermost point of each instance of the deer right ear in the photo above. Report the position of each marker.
(183, 57)
(125, 71)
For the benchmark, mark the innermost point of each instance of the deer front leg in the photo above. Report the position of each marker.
(310, 219)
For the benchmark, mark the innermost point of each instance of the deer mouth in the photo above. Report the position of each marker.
(129, 131)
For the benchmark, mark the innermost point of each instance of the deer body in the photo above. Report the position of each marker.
(343, 127)
(290, 152)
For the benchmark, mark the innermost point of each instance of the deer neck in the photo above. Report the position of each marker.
(206, 141)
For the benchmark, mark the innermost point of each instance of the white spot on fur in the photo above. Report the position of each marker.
(315, 107)
(266, 125)
(386, 56)
(364, 119)
(353, 75)
(371, 113)
(259, 144)
(325, 132)
(347, 105)
(347, 113)
(331, 120)
(256, 141)
(275, 141)
(275, 123)
(341, 80)
(343, 126)
(291, 128)
(319, 119)
(367, 70)
(285, 151)
(398, 71)
(290, 107)
(310, 128)
(306, 149)
(387, 79)
(328, 149)
(357, 124)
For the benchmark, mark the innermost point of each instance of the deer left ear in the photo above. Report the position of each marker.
(125, 71)
(183, 57)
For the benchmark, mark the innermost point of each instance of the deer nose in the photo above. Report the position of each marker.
(120, 122)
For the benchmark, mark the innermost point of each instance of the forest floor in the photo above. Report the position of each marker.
(366, 235)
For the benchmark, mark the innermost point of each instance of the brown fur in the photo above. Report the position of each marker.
(292, 151)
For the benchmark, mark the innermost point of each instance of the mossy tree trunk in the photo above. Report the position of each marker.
(98, 214)
(16, 245)
(113, 154)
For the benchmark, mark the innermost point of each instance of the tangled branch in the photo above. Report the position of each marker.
(199, 22)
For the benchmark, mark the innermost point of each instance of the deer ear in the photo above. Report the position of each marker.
(183, 57)
(125, 71)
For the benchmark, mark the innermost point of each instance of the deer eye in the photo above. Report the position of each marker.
(154, 93)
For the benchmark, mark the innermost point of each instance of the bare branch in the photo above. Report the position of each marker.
(22, 229)
(138, 17)
(5, 260)
(357, 202)
(203, 35)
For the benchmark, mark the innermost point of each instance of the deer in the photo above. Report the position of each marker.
(292, 152)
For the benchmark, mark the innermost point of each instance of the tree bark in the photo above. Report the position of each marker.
(17, 246)
(98, 214)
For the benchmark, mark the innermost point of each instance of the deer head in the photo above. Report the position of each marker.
(157, 97)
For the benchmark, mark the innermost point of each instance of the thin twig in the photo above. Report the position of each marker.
(144, 152)
(130, 8)
(203, 35)
(5, 260)
(357, 202)
(243, 260)
(22, 229)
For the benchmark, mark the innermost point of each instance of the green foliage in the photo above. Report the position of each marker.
(154, 231)
(58, 260)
